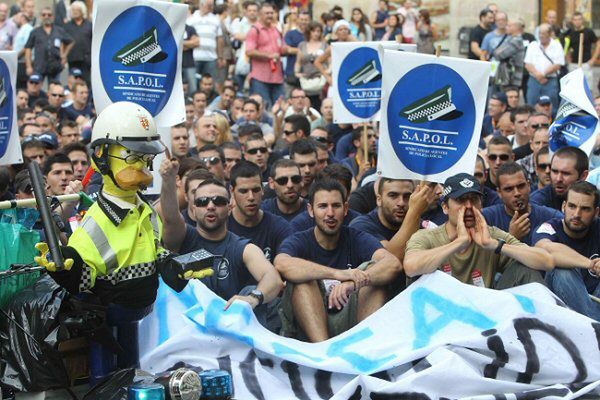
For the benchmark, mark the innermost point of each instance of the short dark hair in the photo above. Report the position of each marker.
(328, 185)
(252, 101)
(67, 124)
(510, 168)
(484, 12)
(383, 181)
(298, 122)
(303, 146)
(199, 174)
(75, 146)
(511, 89)
(187, 164)
(211, 147)
(584, 187)
(244, 169)
(230, 146)
(256, 136)
(249, 3)
(358, 132)
(339, 173)
(249, 129)
(282, 163)
(500, 141)
(198, 92)
(581, 159)
(543, 151)
(22, 128)
(480, 159)
(519, 111)
(32, 144)
(57, 158)
(213, 181)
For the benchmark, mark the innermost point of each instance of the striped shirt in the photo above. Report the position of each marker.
(208, 28)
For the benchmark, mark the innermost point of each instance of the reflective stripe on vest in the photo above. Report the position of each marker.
(131, 272)
(102, 245)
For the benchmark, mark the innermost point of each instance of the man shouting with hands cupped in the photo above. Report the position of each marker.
(470, 250)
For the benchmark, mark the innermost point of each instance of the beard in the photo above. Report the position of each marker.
(582, 227)
(210, 226)
(326, 230)
(391, 218)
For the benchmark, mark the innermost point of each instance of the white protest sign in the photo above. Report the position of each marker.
(136, 56)
(431, 115)
(438, 337)
(10, 145)
(356, 76)
(576, 121)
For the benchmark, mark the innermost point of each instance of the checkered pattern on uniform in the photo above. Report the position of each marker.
(85, 283)
(132, 272)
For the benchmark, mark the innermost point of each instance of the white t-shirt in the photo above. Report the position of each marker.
(208, 28)
(536, 57)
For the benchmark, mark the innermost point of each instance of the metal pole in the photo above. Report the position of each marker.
(33, 202)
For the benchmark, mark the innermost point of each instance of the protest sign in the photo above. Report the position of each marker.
(437, 338)
(576, 121)
(431, 116)
(10, 145)
(136, 56)
(356, 76)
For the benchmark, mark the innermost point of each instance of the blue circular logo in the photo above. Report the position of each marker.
(572, 130)
(430, 120)
(6, 108)
(359, 82)
(138, 59)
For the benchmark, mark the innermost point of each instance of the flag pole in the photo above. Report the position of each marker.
(580, 58)
(438, 50)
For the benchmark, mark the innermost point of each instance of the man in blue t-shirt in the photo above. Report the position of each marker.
(238, 260)
(286, 182)
(574, 242)
(567, 166)
(516, 215)
(247, 220)
(328, 290)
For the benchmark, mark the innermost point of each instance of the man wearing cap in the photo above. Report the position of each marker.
(496, 107)
(544, 105)
(470, 250)
(34, 89)
(50, 142)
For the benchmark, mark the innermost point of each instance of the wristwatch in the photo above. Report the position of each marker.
(258, 295)
(499, 247)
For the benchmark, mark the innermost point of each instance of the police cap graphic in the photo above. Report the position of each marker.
(459, 184)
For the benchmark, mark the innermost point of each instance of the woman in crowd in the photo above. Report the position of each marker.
(341, 31)
(359, 26)
(290, 20)
(426, 33)
(311, 80)
(223, 129)
(394, 28)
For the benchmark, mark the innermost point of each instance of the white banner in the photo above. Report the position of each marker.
(437, 338)
(136, 56)
(10, 145)
(576, 121)
(356, 75)
(431, 115)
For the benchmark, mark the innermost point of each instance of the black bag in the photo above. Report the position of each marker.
(53, 60)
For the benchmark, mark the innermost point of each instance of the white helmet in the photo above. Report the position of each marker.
(129, 125)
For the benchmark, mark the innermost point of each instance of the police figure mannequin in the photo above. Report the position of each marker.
(115, 251)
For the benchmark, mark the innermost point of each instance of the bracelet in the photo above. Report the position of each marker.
(501, 243)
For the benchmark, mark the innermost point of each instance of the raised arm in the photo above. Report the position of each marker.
(173, 223)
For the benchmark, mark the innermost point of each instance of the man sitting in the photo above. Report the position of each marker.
(574, 242)
(468, 248)
(329, 289)
(516, 214)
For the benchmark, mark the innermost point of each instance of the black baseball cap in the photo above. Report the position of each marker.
(459, 184)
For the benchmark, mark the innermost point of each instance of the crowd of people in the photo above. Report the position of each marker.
(260, 174)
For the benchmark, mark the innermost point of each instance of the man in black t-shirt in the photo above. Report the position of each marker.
(486, 21)
(191, 40)
(574, 242)
(590, 42)
(237, 258)
(329, 289)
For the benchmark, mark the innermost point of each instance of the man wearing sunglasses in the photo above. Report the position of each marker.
(240, 263)
(264, 229)
(256, 151)
(542, 168)
(567, 166)
(499, 151)
(286, 181)
(212, 158)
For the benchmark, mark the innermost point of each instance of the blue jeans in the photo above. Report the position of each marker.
(207, 67)
(270, 92)
(572, 285)
(189, 75)
(535, 89)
